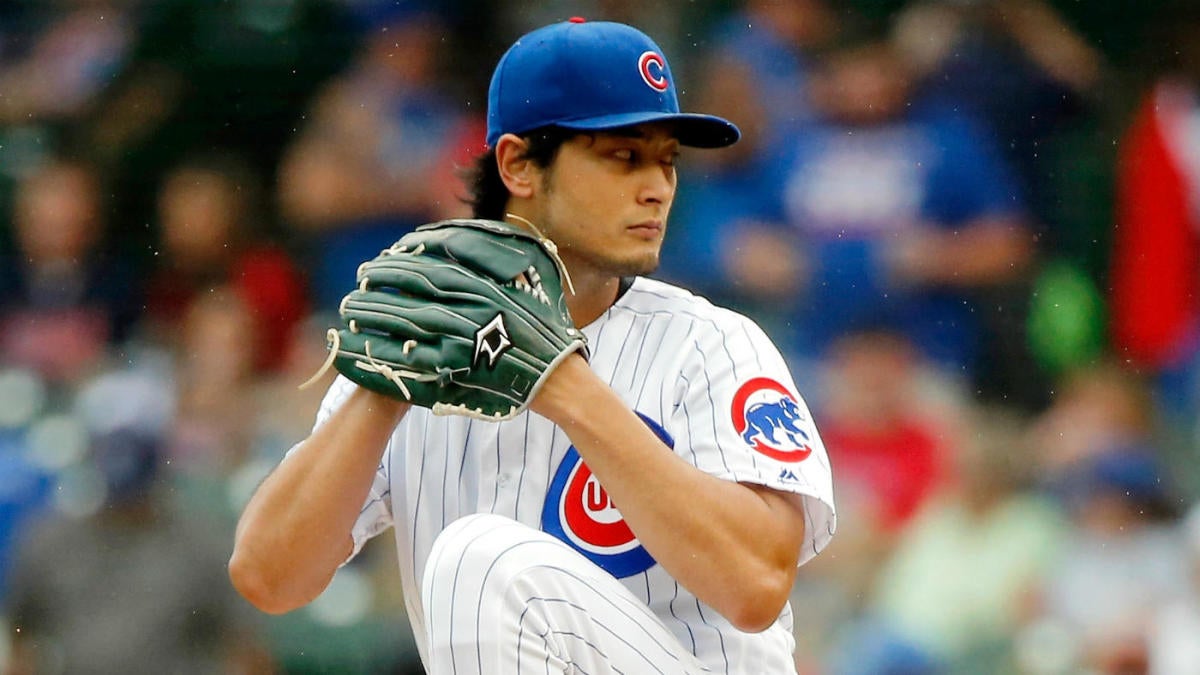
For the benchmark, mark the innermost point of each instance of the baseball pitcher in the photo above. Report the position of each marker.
(585, 470)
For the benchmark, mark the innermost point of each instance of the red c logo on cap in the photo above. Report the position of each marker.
(654, 71)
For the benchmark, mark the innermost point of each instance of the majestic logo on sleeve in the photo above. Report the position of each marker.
(492, 340)
(654, 71)
(769, 419)
(580, 513)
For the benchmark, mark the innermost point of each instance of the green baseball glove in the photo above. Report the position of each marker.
(464, 317)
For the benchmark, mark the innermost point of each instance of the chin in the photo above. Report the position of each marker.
(635, 265)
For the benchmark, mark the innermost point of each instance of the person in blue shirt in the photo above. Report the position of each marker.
(893, 213)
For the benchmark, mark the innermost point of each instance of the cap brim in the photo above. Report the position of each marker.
(692, 129)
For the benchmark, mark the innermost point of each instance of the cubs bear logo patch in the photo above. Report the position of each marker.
(768, 418)
(580, 513)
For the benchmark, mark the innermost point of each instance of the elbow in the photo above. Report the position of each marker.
(257, 587)
(756, 610)
(755, 617)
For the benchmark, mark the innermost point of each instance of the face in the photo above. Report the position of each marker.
(198, 211)
(605, 199)
(863, 86)
(57, 214)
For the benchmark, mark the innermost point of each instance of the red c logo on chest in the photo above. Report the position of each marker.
(593, 518)
(579, 512)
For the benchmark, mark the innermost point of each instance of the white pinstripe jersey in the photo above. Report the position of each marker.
(706, 379)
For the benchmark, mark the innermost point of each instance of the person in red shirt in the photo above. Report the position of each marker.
(212, 236)
(891, 450)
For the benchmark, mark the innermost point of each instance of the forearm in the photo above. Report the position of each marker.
(295, 531)
(982, 253)
(992, 251)
(734, 546)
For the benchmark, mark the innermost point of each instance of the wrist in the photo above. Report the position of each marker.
(385, 407)
(563, 391)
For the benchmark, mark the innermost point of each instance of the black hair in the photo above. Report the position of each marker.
(488, 195)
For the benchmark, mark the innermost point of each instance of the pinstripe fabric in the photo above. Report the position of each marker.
(678, 361)
(506, 598)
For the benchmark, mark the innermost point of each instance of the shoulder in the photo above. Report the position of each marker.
(654, 297)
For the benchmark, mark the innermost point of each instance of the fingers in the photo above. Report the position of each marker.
(426, 277)
(392, 313)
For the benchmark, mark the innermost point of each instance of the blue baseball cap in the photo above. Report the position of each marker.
(591, 76)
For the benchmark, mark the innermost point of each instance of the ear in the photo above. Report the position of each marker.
(516, 170)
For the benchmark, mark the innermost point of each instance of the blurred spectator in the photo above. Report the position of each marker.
(26, 486)
(1122, 556)
(1032, 83)
(755, 74)
(1155, 283)
(896, 213)
(63, 300)
(675, 26)
(24, 492)
(1173, 647)
(231, 427)
(63, 56)
(894, 446)
(233, 74)
(379, 152)
(130, 583)
(280, 422)
(215, 379)
(1121, 560)
(719, 190)
(892, 428)
(1095, 408)
(961, 580)
(56, 58)
(1016, 66)
(768, 48)
(212, 228)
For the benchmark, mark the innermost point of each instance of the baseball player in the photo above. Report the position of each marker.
(643, 503)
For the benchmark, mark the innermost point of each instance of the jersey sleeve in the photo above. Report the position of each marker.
(738, 416)
(376, 514)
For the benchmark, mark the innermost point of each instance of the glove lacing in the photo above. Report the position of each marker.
(550, 247)
(394, 375)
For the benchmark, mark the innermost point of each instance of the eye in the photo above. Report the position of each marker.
(624, 155)
(671, 159)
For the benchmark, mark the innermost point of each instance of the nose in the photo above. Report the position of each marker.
(657, 185)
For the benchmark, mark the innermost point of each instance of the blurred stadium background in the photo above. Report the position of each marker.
(973, 225)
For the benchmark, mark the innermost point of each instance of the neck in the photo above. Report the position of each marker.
(594, 295)
(589, 292)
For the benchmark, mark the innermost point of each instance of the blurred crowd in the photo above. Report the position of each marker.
(973, 226)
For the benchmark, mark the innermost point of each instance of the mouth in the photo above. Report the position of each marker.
(649, 229)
